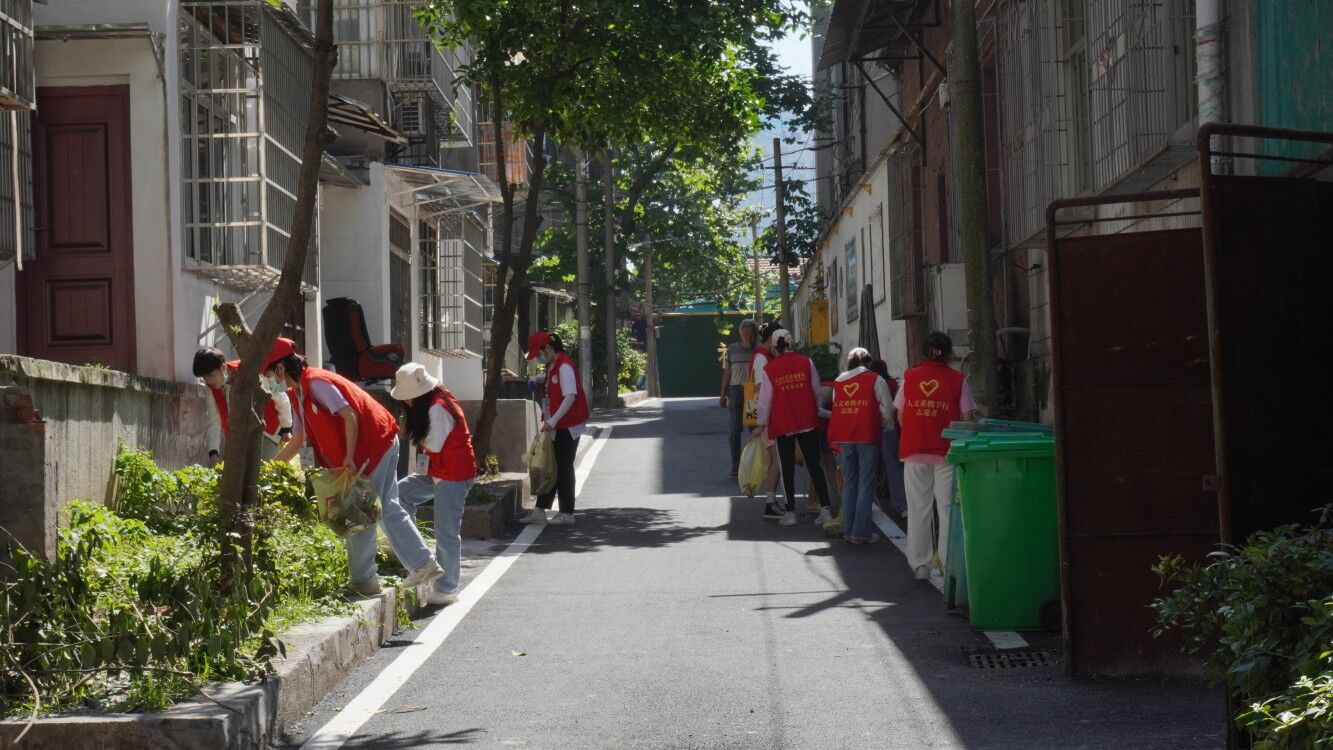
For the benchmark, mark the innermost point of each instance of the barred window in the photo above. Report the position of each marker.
(246, 72)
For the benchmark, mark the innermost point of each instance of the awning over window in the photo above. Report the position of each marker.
(858, 27)
(350, 112)
(437, 191)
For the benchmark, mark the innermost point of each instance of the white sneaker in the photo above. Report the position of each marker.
(536, 515)
(788, 518)
(425, 572)
(922, 573)
(824, 517)
(562, 519)
(371, 587)
(436, 599)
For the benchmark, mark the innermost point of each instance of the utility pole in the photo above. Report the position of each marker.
(758, 284)
(782, 234)
(654, 389)
(582, 279)
(964, 80)
(609, 237)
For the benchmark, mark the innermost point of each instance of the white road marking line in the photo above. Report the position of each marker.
(1001, 638)
(1005, 639)
(361, 708)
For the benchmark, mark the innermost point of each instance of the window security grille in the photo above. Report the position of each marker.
(903, 232)
(246, 70)
(16, 135)
(17, 79)
(1140, 81)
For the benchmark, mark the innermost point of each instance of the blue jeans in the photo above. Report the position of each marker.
(449, 497)
(398, 526)
(859, 461)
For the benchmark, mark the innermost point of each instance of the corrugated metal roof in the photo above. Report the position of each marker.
(859, 27)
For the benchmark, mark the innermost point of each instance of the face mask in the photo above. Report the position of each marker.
(270, 385)
(545, 358)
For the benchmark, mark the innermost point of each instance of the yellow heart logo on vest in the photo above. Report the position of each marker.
(851, 388)
(928, 387)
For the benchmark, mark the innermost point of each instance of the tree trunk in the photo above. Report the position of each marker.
(964, 82)
(510, 291)
(238, 488)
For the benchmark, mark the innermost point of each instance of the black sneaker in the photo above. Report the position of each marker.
(773, 510)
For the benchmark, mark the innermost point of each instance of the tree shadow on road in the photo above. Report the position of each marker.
(600, 528)
(423, 738)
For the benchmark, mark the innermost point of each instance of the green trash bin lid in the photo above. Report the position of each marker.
(988, 446)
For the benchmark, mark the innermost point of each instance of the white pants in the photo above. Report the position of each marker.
(927, 485)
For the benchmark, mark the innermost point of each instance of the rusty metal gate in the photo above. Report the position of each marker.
(1268, 250)
(1133, 427)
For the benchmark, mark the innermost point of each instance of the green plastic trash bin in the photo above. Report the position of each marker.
(1006, 484)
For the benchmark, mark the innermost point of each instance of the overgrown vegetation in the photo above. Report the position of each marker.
(132, 614)
(826, 357)
(1262, 614)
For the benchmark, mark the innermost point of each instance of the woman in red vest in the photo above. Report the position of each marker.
(861, 408)
(565, 412)
(438, 429)
(789, 410)
(351, 431)
(932, 395)
(210, 364)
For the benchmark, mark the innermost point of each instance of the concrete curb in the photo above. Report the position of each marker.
(319, 655)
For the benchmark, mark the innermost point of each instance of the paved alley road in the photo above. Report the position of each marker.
(673, 616)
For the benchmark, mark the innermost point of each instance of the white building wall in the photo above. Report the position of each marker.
(354, 250)
(862, 221)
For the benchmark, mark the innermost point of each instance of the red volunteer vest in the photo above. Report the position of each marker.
(794, 407)
(220, 398)
(931, 392)
(456, 461)
(376, 427)
(555, 393)
(855, 410)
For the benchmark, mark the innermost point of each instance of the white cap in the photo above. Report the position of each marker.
(411, 381)
(782, 333)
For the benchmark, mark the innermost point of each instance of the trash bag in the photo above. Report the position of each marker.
(753, 468)
(348, 502)
(541, 464)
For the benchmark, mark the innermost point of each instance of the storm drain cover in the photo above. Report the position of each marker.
(1011, 660)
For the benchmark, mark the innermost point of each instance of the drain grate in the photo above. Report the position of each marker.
(1012, 660)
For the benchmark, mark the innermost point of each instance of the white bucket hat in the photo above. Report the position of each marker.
(411, 381)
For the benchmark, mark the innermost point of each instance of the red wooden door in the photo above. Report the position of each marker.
(76, 300)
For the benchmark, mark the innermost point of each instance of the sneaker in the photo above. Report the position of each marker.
(562, 519)
(922, 573)
(536, 515)
(773, 510)
(824, 517)
(425, 572)
(788, 518)
(436, 599)
(370, 587)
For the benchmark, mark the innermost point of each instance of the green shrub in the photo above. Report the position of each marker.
(132, 614)
(1262, 615)
(826, 357)
(631, 364)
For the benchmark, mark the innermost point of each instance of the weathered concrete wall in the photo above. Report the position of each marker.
(515, 427)
(88, 412)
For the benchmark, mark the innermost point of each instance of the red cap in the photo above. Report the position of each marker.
(282, 347)
(536, 341)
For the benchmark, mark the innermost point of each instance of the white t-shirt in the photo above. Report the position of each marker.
(565, 375)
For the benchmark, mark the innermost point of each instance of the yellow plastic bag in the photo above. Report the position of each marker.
(754, 467)
(348, 502)
(541, 464)
(750, 411)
